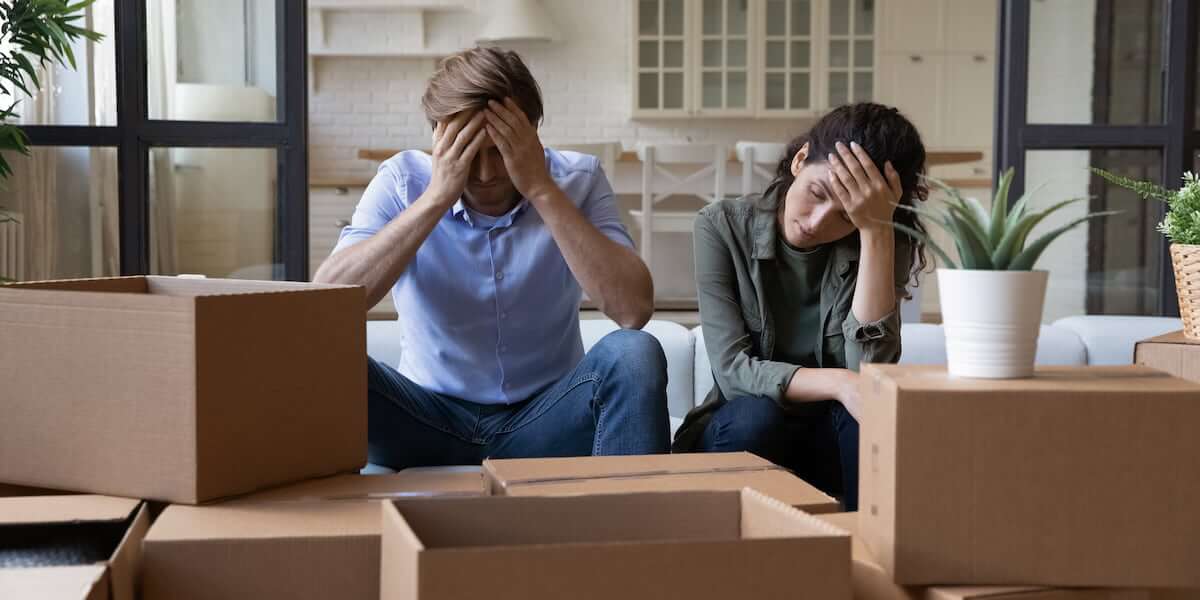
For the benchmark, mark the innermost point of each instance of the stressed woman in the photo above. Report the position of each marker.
(800, 285)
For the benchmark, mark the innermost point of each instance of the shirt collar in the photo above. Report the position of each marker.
(460, 210)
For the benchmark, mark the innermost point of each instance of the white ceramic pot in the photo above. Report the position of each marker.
(991, 320)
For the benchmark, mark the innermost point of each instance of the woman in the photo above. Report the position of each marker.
(800, 285)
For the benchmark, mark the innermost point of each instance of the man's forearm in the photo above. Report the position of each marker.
(377, 262)
(611, 274)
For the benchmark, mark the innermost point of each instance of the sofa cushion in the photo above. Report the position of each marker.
(1109, 340)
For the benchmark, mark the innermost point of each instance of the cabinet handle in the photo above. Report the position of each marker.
(978, 170)
(916, 58)
(341, 223)
(341, 191)
(979, 58)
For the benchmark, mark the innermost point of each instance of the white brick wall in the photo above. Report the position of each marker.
(374, 102)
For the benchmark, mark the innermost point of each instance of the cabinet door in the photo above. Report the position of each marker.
(850, 51)
(970, 26)
(914, 25)
(787, 50)
(723, 86)
(969, 110)
(660, 57)
(914, 85)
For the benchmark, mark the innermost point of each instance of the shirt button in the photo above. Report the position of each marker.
(499, 275)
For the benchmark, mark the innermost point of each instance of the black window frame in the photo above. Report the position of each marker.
(1176, 137)
(135, 134)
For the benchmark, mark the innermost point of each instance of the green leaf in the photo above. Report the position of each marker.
(1025, 260)
(971, 248)
(928, 241)
(1000, 209)
(1145, 189)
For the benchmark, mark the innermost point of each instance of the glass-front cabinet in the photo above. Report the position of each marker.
(740, 58)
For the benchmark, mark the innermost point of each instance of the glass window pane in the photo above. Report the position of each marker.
(673, 90)
(1103, 73)
(801, 17)
(673, 54)
(776, 56)
(864, 17)
(864, 53)
(673, 17)
(64, 96)
(58, 214)
(839, 89)
(712, 53)
(215, 60)
(711, 92)
(775, 90)
(801, 55)
(212, 212)
(735, 92)
(712, 17)
(776, 17)
(736, 17)
(839, 54)
(648, 90)
(864, 87)
(648, 54)
(800, 91)
(735, 53)
(1107, 266)
(839, 17)
(648, 17)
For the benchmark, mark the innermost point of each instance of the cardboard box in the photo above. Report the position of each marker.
(1172, 353)
(70, 547)
(1077, 477)
(8, 490)
(651, 473)
(693, 545)
(318, 539)
(870, 581)
(176, 389)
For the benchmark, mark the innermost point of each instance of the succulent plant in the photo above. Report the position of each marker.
(991, 241)
(1181, 224)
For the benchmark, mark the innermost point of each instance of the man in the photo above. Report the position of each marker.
(486, 246)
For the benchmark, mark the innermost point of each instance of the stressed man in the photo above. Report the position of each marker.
(486, 247)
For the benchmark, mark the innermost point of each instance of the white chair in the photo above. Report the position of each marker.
(607, 152)
(759, 160)
(658, 182)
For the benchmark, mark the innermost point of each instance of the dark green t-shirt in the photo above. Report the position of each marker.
(794, 296)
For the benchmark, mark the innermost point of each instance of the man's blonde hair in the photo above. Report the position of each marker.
(468, 79)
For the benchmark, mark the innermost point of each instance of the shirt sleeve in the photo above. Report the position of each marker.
(878, 341)
(600, 208)
(384, 199)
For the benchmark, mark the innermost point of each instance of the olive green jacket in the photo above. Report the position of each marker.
(735, 243)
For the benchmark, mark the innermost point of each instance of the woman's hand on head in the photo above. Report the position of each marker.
(868, 196)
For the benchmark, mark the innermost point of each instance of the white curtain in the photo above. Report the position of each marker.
(31, 189)
(104, 188)
(161, 76)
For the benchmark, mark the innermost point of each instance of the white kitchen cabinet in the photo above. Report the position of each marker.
(970, 26)
(914, 84)
(751, 58)
(913, 26)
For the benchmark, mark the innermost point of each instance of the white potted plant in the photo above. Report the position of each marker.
(991, 297)
(1181, 225)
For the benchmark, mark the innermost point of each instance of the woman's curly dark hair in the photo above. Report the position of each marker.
(886, 135)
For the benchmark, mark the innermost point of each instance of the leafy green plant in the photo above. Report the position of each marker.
(1181, 225)
(991, 241)
(33, 34)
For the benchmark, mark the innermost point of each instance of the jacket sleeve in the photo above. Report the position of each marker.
(726, 337)
(878, 341)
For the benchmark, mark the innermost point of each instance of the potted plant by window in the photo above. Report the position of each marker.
(991, 297)
(1181, 225)
(33, 34)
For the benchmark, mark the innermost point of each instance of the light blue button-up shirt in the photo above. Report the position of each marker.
(488, 308)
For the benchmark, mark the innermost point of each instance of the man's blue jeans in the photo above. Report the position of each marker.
(613, 402)
(818, 442)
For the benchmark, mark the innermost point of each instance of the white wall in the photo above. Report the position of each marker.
(585, 80)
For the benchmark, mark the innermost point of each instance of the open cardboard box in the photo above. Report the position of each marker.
(652, 473)
(1077, 477)
(314, 540)
(1172, 353)
(688, 545)
(70, 547)
(183, 390)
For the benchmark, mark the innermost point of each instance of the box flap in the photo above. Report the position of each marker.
(1175, 337)
(269, 520)
(187, 287)
(126, 560)
(913, 378)
(409, 483)
(532, 471)
(54, 583)
(36, 510)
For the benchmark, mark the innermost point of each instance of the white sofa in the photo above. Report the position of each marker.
(1082, 340)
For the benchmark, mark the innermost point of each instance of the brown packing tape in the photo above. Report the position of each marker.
(639, 475)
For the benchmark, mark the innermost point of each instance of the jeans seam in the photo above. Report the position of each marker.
(588, 378)
(597, 400)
